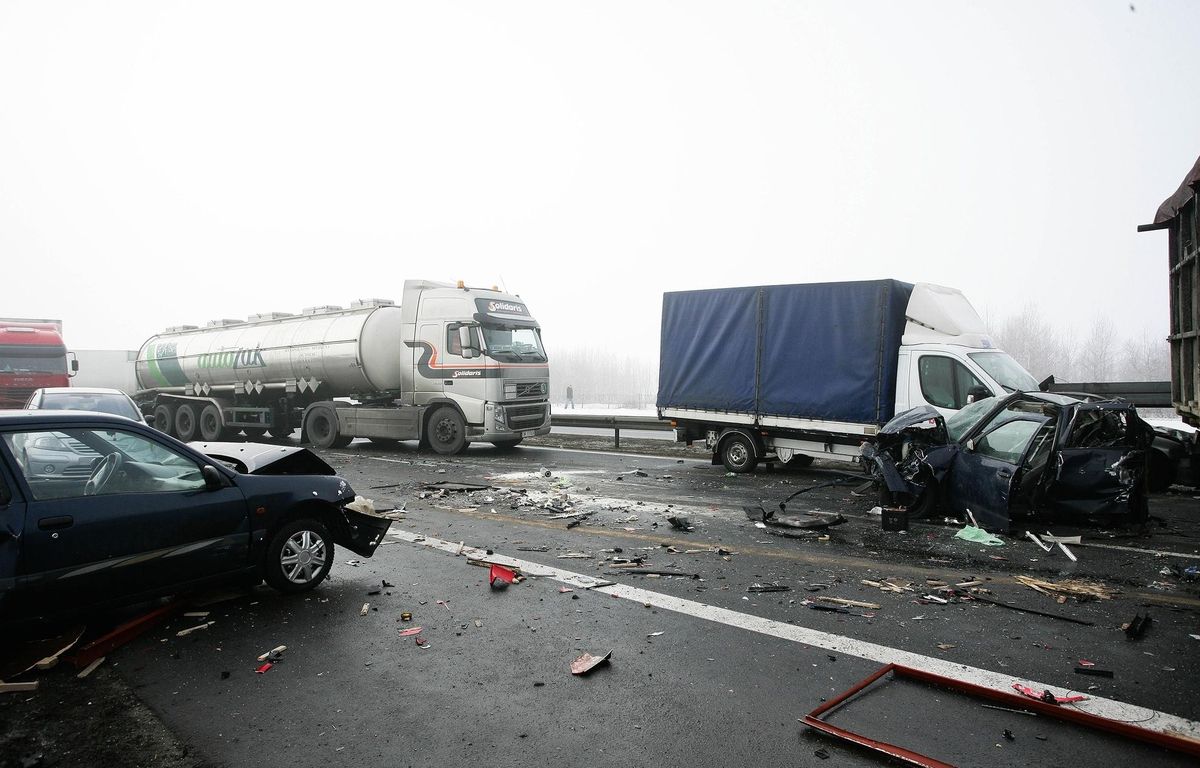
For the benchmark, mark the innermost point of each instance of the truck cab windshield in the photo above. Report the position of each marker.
(33, 360)
(1007, 372)
(514, 344)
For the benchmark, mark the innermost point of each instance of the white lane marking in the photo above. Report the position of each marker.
(1001, 681)
(1155, 552)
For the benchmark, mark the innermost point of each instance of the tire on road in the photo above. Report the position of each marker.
(737, 453)
(447, 431)
(211, 427)
(185, 422)
(299, 556)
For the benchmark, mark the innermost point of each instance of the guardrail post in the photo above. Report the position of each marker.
(616, 436)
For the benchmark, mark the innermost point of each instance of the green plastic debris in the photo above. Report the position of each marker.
(979, 536)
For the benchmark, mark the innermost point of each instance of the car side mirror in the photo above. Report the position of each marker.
(213, 479)
(1045, 384)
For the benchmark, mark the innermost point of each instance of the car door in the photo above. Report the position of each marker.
(12, 524)
(152, 523)
(1099, 465)
(983, 475)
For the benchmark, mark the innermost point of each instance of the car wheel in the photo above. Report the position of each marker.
(447, 431)
(164, 419)
(737, 454)
(299, 556)
(185, 423)
(211, 428)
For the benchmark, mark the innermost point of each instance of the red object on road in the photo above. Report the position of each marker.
(1046, 696)
(411, 632)
(502, 574)
(263, 669)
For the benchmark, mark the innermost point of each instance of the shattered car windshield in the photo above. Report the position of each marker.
(958, 424)
(1007, 372)
(518, 344)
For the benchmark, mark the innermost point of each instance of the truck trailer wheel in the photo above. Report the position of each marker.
(164, 419)
(447, 432)
(737, 453)
(321, 429)
(185, 423)
(211, 428)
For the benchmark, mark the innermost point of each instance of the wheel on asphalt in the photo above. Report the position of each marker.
(211, 428)
(320, 427)
(737, 453)
(299, 556)
(185, 423)
(919, 508)
(164, 419)
(254, 433)
(447, 432)
(505, 445)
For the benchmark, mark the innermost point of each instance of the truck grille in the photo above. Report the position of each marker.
(526, 416)
(516, 390)
(15, 397)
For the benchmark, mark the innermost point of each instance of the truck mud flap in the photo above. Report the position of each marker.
(359, 532)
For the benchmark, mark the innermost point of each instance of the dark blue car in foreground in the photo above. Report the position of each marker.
(154, 516)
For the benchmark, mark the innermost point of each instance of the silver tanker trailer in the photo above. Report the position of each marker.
(449, 366)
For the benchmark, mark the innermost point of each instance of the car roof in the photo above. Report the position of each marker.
(18, 418)
(80, 391)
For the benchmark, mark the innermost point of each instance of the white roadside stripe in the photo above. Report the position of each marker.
(1001, 681)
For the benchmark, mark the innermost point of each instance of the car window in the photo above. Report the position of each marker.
(945, 381)
(69, 463)
(1008, 441)
(98, 402)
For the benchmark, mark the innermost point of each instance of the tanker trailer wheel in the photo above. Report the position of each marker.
(164, 419)
(447, 433)
(185, 423)
(211, 428)
(320, 427)
(737, 453)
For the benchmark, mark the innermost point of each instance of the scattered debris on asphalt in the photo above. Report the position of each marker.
(1136, 629)
(768, 588)
(1093, 672)
(273, 654)
(587, 662)
(1046, 696)
(978, 536)
(411, 632)
(1076, 588)
(681, 523)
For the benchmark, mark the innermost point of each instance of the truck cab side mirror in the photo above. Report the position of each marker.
(977, 393)
(466, 341)
(74, 363)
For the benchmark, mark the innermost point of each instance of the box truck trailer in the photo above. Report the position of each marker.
(796, 372)
(449, 366)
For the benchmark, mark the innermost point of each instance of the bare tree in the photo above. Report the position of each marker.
(1099, 354)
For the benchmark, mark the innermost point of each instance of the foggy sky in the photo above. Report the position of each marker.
(167, 163)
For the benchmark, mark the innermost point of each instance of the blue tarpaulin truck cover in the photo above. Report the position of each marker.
(823, 351)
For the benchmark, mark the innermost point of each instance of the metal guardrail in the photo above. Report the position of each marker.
(615, 423)
(1143, 394)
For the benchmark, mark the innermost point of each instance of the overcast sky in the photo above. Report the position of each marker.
(165, 163)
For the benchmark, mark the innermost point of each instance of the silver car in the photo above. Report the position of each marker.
(59, 456)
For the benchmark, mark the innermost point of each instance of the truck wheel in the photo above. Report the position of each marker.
(320, 428)
(185, 423)
(737, 454)
(164, 419)
(299, 556)
(211, 428)
(447, 432)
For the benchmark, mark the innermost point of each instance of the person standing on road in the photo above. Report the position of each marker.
(570, 397)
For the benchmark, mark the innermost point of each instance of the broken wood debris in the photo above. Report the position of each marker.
(587, 662)
(1074, 587)
(768, 588)
(850, 603)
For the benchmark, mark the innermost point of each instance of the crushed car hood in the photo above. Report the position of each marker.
(266, 459)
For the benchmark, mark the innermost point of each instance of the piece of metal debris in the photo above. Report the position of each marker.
(273, 654)
(410, 632)
(587, 662)
(768, 588)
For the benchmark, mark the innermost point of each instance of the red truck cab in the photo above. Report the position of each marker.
(32, 355)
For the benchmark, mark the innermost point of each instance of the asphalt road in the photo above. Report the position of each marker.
(703, 672)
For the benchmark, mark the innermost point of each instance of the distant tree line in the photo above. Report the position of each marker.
(1099, 354)
(617, 378)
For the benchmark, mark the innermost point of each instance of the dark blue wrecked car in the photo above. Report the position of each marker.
(1014, 459)
(153, 516)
